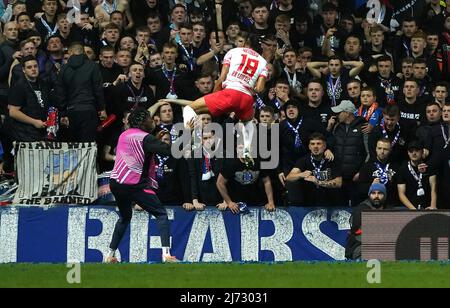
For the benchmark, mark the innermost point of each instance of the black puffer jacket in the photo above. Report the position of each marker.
(349, 147)
(7, 49)
(79, 86)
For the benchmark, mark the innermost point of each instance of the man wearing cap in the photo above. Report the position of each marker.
(349, 148)
(376, 201)
(416, 181)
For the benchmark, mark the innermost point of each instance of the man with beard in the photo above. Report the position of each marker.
(376, 201)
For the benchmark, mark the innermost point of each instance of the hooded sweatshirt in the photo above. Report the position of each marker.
(79, 86)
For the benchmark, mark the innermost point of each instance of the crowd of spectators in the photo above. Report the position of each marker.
(360, 96)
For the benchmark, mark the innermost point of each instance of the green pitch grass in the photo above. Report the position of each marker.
(280, 275)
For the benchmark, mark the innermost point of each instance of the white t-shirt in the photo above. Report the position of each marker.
(246, 66)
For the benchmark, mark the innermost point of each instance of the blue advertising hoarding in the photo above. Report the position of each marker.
(82, 234)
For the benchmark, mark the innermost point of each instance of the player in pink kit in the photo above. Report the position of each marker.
(244, 72)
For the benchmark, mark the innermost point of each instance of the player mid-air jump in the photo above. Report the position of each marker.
(244, 72)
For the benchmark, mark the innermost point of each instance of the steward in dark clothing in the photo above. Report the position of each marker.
(80, 94)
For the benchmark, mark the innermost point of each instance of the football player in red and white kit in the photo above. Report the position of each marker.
(244, 72)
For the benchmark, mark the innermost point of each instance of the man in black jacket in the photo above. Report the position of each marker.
(349, 148)
(80, 94)
(7, 55)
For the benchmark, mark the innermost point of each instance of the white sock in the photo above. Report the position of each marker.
(188, 115)
(249, 129)
(166, 251)
(111, 253)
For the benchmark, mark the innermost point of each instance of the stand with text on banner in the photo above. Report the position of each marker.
(82, 234)
(56, 173)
